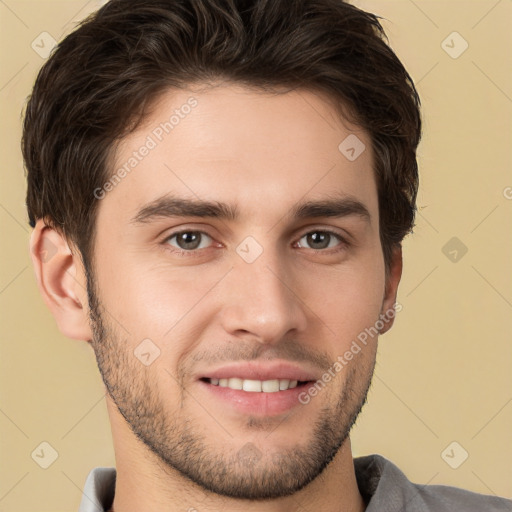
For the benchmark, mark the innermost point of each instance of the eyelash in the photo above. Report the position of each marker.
(344, 244)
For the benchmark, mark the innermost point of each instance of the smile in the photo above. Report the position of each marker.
(255, 386)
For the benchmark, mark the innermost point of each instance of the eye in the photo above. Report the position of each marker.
(319, 240)
(188, 240)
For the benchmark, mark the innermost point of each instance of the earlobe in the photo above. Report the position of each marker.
(392, 281)
(61, 281)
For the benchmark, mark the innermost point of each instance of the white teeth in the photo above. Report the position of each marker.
(252, 385)
(255, 386)
(270, 386)
(235, 383)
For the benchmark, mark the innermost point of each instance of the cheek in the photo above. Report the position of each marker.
(153, 301)
(348, 300)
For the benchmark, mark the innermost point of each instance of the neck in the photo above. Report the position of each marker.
(144, 483)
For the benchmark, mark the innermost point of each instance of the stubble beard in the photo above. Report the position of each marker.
(243, 472)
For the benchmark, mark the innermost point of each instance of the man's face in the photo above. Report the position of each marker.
(266, 294)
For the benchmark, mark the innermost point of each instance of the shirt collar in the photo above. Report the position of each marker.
(382, 485)
(98, 493)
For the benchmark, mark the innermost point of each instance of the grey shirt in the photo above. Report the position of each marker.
(383, 486)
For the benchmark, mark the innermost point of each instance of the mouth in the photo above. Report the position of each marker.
(259, 388)
(259, 398)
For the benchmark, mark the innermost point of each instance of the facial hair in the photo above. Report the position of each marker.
(239, 471)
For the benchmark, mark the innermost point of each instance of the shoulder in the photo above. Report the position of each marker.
(385, 487)
(446, 498)
(99, 489)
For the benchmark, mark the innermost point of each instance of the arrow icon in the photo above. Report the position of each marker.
(454, 45)
(44, 455)
(43, 44)
(454, 455)
(46, 251)
(249, 253)
(351, 147)
(454, 249)
(146, 352)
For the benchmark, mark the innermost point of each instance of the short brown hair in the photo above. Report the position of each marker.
(97, 84)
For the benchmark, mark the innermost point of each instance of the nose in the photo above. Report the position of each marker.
(262, 300)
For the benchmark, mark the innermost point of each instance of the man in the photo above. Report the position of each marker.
(224, 186)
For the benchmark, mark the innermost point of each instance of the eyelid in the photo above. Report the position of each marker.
(342, 234)
(344, 239)
(173, 234)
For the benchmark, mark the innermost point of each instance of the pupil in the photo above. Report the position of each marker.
(320, 239)
(188, 240)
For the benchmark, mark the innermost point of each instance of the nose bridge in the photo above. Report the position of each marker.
(261, 300)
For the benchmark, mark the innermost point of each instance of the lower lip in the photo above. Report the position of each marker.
(257, 403)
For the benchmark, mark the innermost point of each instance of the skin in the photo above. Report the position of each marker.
(176, 447)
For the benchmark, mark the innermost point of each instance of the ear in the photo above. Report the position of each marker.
(392, 281)
(61, 281)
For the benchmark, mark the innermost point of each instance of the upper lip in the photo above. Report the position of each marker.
(266, 370)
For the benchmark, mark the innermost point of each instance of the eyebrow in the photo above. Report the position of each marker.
(171, 206)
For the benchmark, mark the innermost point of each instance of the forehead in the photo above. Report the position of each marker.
(233, 144)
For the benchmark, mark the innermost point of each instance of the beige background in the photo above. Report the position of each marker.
(443, 372)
